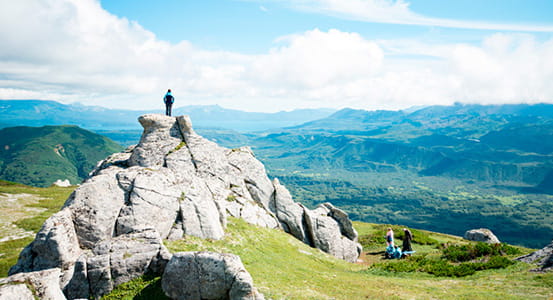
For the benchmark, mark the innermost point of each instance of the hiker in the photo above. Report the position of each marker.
(169, 100)
(407, 238)
(390, 237)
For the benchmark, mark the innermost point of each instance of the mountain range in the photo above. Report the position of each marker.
(442, 168)
(40, 112)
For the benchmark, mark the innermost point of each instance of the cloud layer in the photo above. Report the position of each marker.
(73, 50)
(398, 12)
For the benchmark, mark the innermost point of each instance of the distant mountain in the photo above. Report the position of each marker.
(39, 156)
(39, 113)
(443, 168)
(496, 143)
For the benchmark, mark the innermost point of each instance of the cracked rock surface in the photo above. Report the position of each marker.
(206, 275)
(173, 183)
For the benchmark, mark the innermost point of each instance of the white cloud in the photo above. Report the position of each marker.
(76, 51)
(398, 12)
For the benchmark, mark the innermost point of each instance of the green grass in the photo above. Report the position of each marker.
(284, 268)
(52, 199)
(142, 288)
(9, 251)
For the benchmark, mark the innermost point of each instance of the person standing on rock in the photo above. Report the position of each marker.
(169, 100)
(407, 238)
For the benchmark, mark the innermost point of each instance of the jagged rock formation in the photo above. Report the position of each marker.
(174, 182)
(205, 275)
(481, 235)
(30, 286)
(543, 258)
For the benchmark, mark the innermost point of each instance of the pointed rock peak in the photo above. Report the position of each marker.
(152, 122)
(156, 121)
(185, 124)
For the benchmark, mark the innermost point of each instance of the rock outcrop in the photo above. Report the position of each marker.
(481, 235)
(41, 284)
(205, 275)
(543, 258)
(173, 183)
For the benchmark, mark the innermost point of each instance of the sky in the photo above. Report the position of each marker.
(273, 55)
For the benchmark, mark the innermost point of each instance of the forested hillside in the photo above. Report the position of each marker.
(38, 156)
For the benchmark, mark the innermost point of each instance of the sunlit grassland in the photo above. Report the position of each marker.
(50, 200)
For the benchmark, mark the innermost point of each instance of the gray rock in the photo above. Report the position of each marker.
(95, 206)
(99, 275)
(346, 227)
(62, 183)
(481, 235)
(152, 203)
(55, 246)
(543, 258)
(44, 284)
(117, 159)
(326, 235)
(254, 175)
(205, 275)
(327, 227)
(15, 292)
(74, 281)
(199, 213)
(161, 135)
(131, 254)
(289, 213)
(254, 214)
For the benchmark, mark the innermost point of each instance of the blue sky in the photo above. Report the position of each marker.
(251, 26)
(270, 55)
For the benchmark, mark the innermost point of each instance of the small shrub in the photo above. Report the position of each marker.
(497, 262)
(462, 253)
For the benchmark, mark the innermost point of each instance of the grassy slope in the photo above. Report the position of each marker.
(52, 199)
(285, 268)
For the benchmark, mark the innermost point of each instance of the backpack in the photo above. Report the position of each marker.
(169, 99)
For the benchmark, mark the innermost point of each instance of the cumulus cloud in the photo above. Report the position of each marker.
(73, 50)
(398, 12)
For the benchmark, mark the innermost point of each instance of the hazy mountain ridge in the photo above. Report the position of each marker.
(504, 143)
(40, 112)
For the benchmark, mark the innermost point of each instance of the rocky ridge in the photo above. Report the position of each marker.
(542, 257)
(173, 183)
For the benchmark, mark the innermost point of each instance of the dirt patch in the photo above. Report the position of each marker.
(14, 207)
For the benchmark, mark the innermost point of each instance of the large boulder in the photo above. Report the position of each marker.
(481, 235)
(41, 284)
(543, 258)
(173, 183)
(207, 275)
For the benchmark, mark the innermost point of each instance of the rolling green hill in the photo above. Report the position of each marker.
(39, 156)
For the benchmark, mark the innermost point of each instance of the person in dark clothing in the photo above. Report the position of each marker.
(407, 238)
(169, 100)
